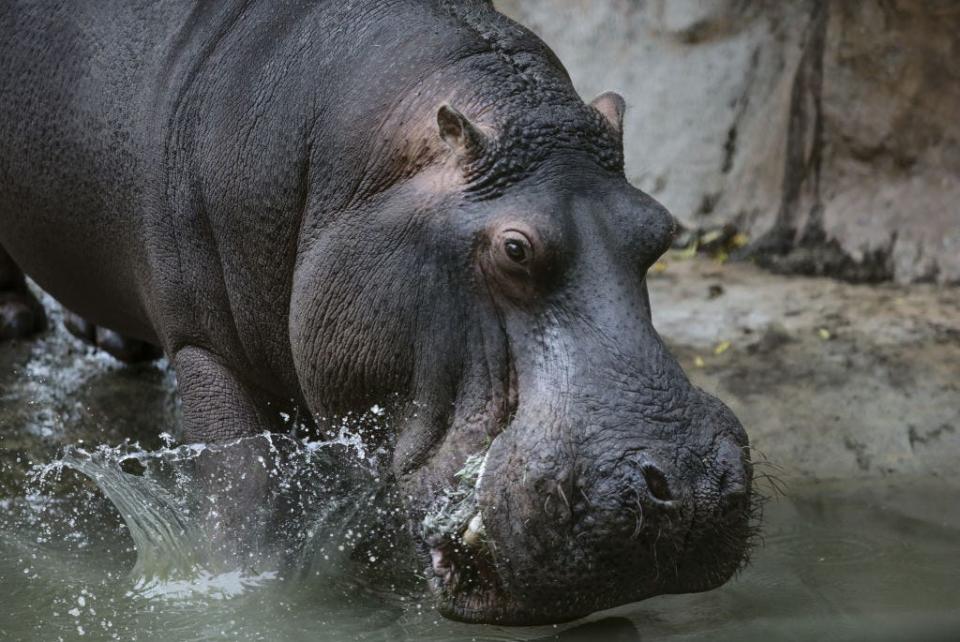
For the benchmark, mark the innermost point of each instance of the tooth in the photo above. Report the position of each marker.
(437, 562)
(473, 536)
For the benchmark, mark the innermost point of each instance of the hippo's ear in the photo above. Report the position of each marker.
(459, 133)
(611, 106)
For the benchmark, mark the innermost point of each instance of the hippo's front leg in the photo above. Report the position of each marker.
(217, 405)
(217, 408)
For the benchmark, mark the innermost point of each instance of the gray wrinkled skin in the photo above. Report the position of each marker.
(329, 205)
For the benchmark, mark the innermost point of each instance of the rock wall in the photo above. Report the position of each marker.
(828, 131)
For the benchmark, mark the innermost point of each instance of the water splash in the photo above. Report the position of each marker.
(168, 541)
(216, 520)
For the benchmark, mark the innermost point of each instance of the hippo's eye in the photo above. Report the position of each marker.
(516, 246)
(515, 250)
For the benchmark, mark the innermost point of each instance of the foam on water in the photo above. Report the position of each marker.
(222, 586)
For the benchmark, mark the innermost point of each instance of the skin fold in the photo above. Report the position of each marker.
(325, 206)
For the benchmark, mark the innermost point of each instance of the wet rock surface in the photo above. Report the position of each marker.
(824, 130)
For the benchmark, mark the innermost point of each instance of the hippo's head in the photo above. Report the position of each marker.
(553, 455)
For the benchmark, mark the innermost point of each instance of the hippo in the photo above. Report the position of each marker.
(325, 207)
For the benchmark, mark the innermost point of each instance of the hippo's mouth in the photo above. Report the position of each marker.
(464, 576)
(463, 568)
(465, 580)
(468, 588)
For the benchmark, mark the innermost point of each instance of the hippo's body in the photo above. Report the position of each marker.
(165, 164)
(329, 205)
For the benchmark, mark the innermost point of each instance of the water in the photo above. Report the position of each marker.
(110, 544)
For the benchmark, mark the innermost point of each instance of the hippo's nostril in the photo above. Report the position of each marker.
(734, 496)
(657, 483)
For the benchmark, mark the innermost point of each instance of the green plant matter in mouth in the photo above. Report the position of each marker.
(457, 506)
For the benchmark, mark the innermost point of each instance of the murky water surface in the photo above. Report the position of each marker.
(119, 543)
(110, 544)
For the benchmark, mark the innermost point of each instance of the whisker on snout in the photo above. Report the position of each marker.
(760, 458)
(639, 527)
(777, 485)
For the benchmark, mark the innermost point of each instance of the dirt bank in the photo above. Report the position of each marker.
(830, 379)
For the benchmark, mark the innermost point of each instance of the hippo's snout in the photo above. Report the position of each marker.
(736, 476)
(563, 530)
(656, 484)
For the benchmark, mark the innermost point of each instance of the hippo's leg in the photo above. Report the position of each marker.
(20, 313)
(120, 347)
(219, 408)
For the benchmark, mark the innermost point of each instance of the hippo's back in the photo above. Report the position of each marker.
(79, 146)
(101, 102)
(156, 157)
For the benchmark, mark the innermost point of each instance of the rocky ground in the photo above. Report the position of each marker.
(831, 380)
